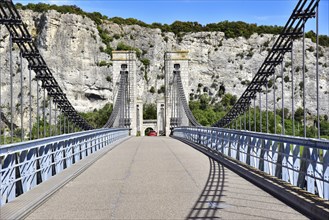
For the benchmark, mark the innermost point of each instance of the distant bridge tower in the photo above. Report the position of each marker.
(124, 62)
(174, 111)
(161, 116)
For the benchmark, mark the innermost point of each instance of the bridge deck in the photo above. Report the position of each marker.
(160, 178)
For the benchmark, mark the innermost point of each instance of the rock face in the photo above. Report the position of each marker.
(71, 44)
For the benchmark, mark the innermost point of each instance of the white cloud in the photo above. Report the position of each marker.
(267, 18)
(262, 18)
(60, 2)
(52, 2)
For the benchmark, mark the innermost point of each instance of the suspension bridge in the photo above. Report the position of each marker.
(72, 170)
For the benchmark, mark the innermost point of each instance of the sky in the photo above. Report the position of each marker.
(261, 12)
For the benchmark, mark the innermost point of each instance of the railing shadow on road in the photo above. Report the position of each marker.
(209, 200)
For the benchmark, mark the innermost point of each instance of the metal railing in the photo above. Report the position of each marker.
(302, 162)
(25, 165)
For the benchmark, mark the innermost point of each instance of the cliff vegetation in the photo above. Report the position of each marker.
(232, 29)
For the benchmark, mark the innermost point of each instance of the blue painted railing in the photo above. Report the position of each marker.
(27, 164)
(302, 162)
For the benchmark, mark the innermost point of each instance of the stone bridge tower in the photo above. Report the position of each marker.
(126, 61)
(174, 112)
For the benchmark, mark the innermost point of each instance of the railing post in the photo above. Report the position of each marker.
(59, 157)
(43, 162)
(262, 154)
(243, 149)
(29, 179)
(285, 157)
(319, 174)
(234, 146)
(221, 141)
(217, 140)
(326, 174)
(226, 140)
(69, 153)
(297, 154)
(267, 164)
(311, 166)
(257, 152)
(290, 163)
(74, 147)
(209, 138)
(303, 168)
(229, 145)
(274, 157)
(278, 171)
(239, 146)
(249, 147)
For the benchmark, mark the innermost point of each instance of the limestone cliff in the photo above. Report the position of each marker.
(71, 46)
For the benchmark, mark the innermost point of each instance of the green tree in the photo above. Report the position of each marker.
(324, 128)
(98, 118)
(286, 112)
(204, 101)
(124, 47)
(162, 89)
(180, 26)
(299, 114)
(149, 111)
(201, 117)
(152, 90)
(146, 62)
(194, 105)
(233, 100)
(228, 100)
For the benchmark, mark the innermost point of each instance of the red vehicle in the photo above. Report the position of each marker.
(152, 133)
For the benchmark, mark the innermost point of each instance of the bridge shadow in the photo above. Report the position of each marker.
(209, 200)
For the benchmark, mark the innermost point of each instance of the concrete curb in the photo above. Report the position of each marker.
(303, 202)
